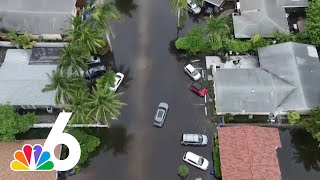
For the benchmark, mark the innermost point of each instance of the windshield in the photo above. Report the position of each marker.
(200, 161)
(200, 138)
(195, 72)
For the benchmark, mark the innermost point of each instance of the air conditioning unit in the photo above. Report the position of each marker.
(50, 110)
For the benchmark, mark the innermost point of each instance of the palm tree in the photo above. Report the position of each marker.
(102, 15)
(91, 39)
(217, 26)
(64, 85)
(106, 80)
(73, 58)
(181, 7)
(79, 107)
(104, 104)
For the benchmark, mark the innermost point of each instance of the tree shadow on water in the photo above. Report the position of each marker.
(115, 139)
(307, 150)
(126, 6)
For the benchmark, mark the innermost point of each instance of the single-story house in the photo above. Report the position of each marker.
(263, 17)
(286, 80)
(6, 156)
(21, 82)
(46, 18)
(249, 153)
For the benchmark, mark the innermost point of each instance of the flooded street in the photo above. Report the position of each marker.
(133, 149)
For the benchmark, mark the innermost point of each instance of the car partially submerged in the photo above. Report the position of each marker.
(194, 139)
(192, 72)
(94, 60)
(118, 79)
(95, 72)
(196, 160)
(193, 7)
(198, 89)
(161, 114)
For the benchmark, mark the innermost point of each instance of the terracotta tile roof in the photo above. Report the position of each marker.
(7, 150)
(249, 153)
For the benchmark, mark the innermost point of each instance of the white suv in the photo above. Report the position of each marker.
(194, 139)
(196, 160)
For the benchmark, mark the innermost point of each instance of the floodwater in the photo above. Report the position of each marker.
(299, 157)
(132, 149)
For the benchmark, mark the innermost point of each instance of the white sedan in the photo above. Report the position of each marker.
(118, 79)
(196, 160)
(192, 72)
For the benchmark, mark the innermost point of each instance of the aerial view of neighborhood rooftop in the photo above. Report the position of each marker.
(159, 90)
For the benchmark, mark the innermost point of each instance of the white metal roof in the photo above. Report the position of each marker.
(21, 84)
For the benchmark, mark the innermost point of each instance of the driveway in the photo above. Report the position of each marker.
(135, 149)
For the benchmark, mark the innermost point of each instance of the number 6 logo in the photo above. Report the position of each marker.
(56, 137)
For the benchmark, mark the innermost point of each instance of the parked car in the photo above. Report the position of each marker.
(95, 72)
(196, 160)
(192, 72)
(161, 114)
(94, 60)
(198, 89)
(194, 139)
(118, 79)
(193, 7)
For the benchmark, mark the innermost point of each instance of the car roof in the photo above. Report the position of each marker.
(157, 118)
(191, 137)
(193, 157)
(190, 67)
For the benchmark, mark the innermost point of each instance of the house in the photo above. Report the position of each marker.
(263, 17)
(21, 80)
(43, 18)
(249, 152)
(6, 156)
(286, 80)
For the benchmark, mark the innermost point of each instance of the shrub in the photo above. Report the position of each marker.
(293, 117)
(238, 46)
(11, 123)
(183, 171)
(228, 117)
(257, 42)
(216, 157)
(194, 42)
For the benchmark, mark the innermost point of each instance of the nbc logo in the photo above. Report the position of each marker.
(31, 159)
(38, 158)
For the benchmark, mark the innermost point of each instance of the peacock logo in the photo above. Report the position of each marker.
(32, 158)
(38, 158)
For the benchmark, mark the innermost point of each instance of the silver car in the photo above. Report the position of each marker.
(161, 114)
(194, 139)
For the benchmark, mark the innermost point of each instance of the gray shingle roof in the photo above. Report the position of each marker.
(36, 16)
(21, 84)
(285, 81)
(263, 17)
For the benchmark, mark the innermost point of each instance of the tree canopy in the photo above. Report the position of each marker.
(88, 144)
(312, 22)
(12, 123)
(194, 42)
